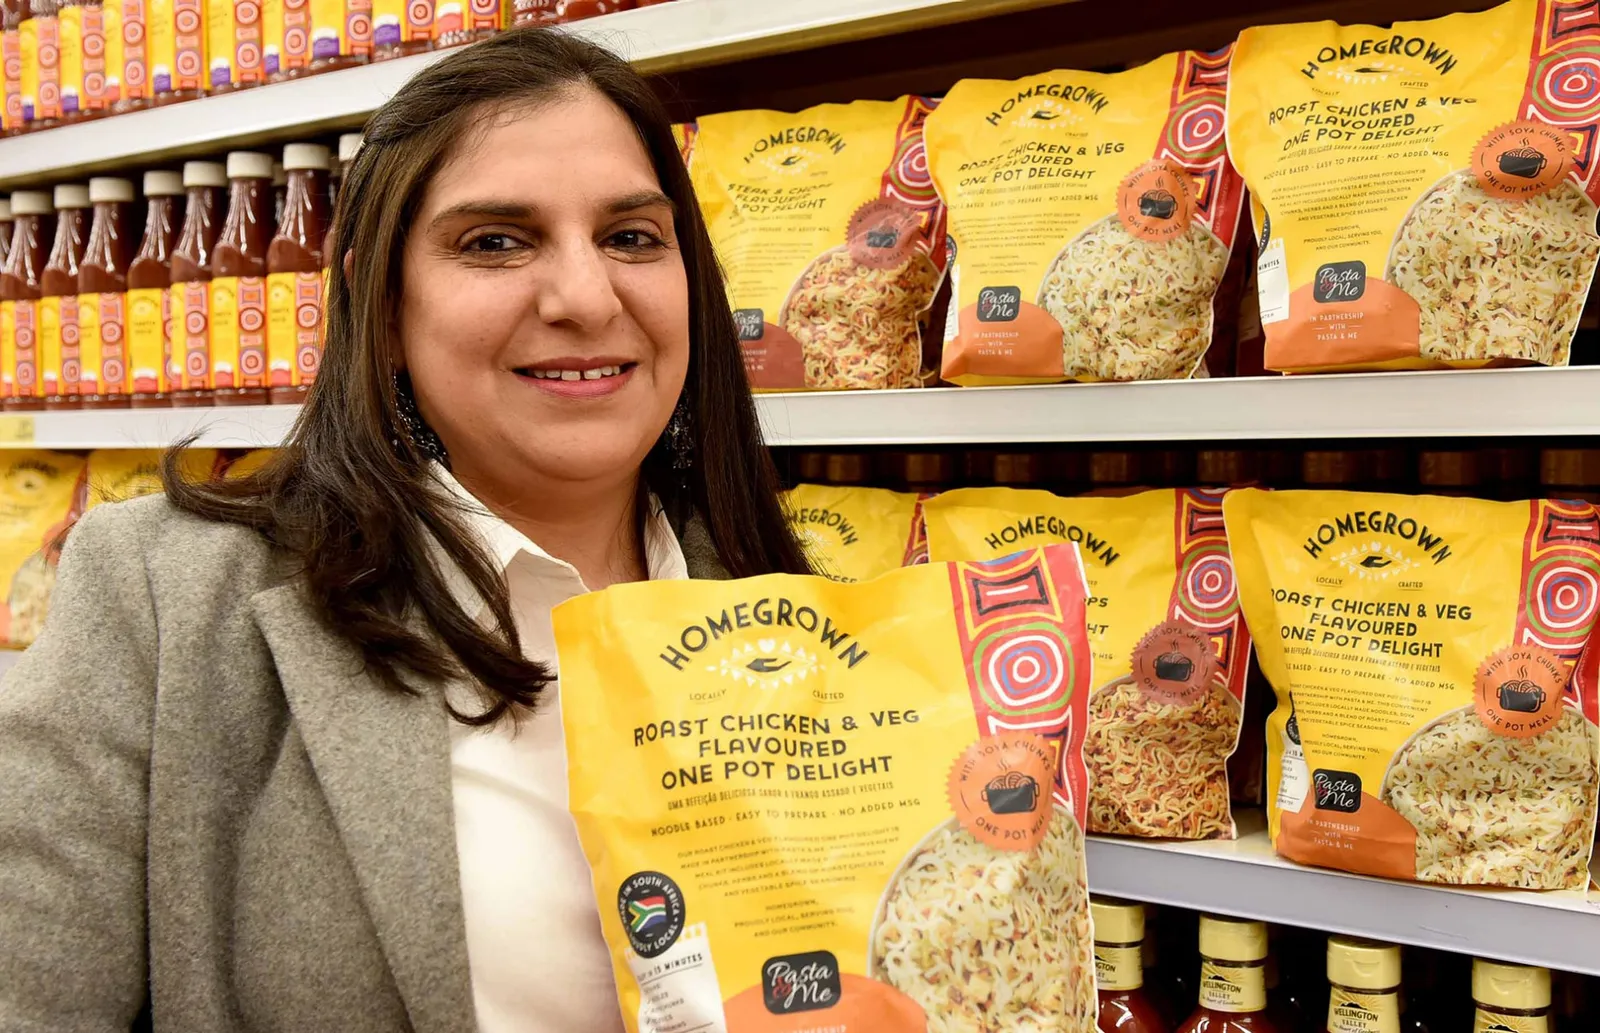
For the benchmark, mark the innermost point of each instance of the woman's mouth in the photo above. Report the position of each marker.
(575, 374)
(577, 381)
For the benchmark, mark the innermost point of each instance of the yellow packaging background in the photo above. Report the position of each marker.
(328, 22)
(224, 317)
(36, 495)
(71, 21)
(111, 25)
(615, 681)
(28, 83)
(119, 474)
(162, 50)
(219, 43)
(851, 534)
(49, 374)
(250, 462)
(88, 344)
(8, 348)
(147, 338)
(271, 35)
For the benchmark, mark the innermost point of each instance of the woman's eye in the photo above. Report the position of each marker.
(634, 240)
(490, 243)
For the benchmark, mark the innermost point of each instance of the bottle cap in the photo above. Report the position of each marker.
(32, 202)
(5, 209)
(1232, 939)
(249, 165)
(305, 156)
(72, 195)
(162, 184)
(349, 144)
(1116, 921)
(1499, 984)
(204, 174)
(1363, 964)
(1566, 467)
(104, 189)
(848, 468)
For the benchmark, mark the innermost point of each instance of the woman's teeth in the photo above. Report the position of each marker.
(575, 374)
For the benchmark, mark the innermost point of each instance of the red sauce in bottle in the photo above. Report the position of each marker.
(295, 267)
(1233, 986)
(190, 294)
(1125, 1005)
(239, 284)
(149, 303)
(577, 10)
(59, 354)
(102, 297)
(5, 231)
(19, 301)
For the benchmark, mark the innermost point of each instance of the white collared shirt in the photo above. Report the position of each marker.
(539, 962)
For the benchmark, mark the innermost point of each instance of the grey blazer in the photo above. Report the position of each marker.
(211, 819)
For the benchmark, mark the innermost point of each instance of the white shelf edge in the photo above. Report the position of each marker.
(1245, 879)
(1544, 404)
(683, 34)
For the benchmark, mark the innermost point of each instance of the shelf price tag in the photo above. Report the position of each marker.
(16, 431)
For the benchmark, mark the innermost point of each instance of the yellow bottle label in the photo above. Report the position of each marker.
(224, 332)
(189, 19)
(109, 363)
(111, 32)
(161, 53)
(133, 58)
(219, 42)
(71, 345)
(1118, 967)
(341, 27)
(148, 344)
(191, 317)
(50, 345)
(1353, 1012)
(1489, 1021)
(8, 349)
(1235, 988)
(28, 71)
(89, 344)
(71, 20)
(26, 335)
(271, 36)
(294, 328)
(251, 365)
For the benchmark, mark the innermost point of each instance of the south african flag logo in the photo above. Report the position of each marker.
(642, 914)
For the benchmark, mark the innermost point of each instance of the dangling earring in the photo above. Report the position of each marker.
(679, 439)
(422, 436)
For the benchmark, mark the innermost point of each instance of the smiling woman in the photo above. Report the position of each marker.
(286, 754)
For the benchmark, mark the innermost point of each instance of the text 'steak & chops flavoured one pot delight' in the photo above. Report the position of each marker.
(813, 804)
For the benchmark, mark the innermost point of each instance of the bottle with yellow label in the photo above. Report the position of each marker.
(60, 356)
(1125, 1006)
(1233, 983)
(102, 297)
(189, 373)
(1510, 998)
(1363, 986)
(149, 308)
(239, 284)
(19, 299)
(295, 264)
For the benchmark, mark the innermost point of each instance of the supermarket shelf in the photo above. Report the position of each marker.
(1532, 403)
(1244, 878)
(669, 37)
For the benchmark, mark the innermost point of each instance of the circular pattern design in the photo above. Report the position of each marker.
(132, 32)
(1564, 597)
(1208, 589)
(194, 365)
(420, 13)
(909, 177)
(1196, 132)
(1570, 83)
(111, 372)
(1025, 670)
(252, 361)
(309, 360)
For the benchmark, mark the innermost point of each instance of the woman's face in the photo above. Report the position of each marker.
(545, 315)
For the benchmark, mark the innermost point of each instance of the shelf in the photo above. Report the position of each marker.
(670, 37)
(1246, 879)
(1531, 403)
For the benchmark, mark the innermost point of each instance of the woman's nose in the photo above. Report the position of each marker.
(575, 287)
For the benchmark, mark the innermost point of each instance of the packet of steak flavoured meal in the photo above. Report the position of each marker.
(1429, 725)
(684, 133)
(1170, 646)
(831, 236)
(118, 474)
(1425, 194)
(854, 534)
(814, 805)
(36, 511)
(1092, 217)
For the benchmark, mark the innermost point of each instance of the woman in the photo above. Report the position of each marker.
(285, 756)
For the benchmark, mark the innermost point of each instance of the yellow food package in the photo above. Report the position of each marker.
(249, 463)
(119, 474)
(854, 807)
(36, 496)
(684, 133)
(1425, 194)
(853, 534)
(1092, 217)
(1422, 649)
(832, 238)
(1171, 650)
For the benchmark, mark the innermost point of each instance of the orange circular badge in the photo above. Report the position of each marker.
(1156, 201)
(1000, 789)
(1518, 690)
(1174, 663)
(882, 233)
(1521, 159)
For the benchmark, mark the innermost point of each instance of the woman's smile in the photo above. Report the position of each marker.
(578, 378)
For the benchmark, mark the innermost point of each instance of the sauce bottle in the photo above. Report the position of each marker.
(349, 144)
(578, 10)
(280, 185)
(19, 300)
(11, 67)
(180, 68)
(294, 276)
(1509, 996)
(1125, 1006)
(149, 304)
(535, 12)
(1364, 986)
(1570, 473)
(467, 21)
(341, 34)
(401, 27)
(102, 296)
(40, 44)
(59, 353)
(190, 294)
(1233, 988)
(239, 284)
(5, 230)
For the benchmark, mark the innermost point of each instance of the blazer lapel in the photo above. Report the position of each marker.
(383, 760)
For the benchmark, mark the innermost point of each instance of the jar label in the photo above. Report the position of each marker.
(148, 344)
(1489, 1021)
(294, 328)
(8, 349)
(1118, 968)
(49, 310)
(88, 344)
(26, 334)
(191, 318)
(1235, 988)
(136, 51)
(70, 22)
(1352, 1012)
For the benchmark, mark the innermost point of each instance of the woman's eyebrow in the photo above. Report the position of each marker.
(490, 209)
(640, 199)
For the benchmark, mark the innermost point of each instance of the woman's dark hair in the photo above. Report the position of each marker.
(349, 497)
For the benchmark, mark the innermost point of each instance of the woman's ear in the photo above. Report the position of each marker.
(349, 264)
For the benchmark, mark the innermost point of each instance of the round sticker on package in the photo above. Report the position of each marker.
(1521, 159)
(1000, 790)
(651, 908)
(1155, 202)
(882, 233)
(1174, 663)
(1518, 690)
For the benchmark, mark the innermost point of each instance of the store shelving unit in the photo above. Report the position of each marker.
(1243, 877)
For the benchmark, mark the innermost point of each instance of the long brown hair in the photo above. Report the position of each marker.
(349, 497)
